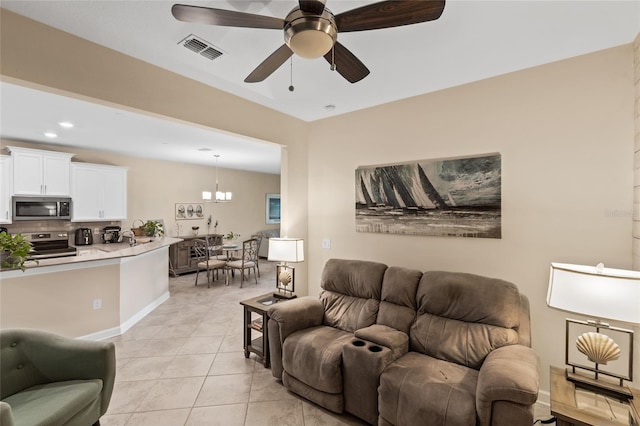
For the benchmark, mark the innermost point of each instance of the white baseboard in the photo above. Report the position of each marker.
(117, 331)
(544, 398)
(143, 313)
(102, 335)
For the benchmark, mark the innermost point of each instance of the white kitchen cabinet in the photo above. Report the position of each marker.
(6, 189)
(38, 172)
(98, 192)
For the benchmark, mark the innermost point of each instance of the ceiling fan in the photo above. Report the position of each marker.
(311, 30)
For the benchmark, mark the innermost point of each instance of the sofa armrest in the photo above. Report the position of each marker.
(287, 318)
(6, 417)
(61, 358)
(296, 314)
(388, 337)
(510, 373)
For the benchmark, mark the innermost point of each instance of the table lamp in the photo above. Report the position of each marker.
(601, 293)
(285, 250)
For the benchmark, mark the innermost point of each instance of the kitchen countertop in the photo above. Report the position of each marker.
(104, 252)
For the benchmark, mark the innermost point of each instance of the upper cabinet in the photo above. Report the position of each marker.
(99, 192)
(37, 172)
(6, 189)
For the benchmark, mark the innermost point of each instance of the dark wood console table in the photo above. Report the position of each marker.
(182, 256)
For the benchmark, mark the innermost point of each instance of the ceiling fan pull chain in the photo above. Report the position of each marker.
(291, 88)
(333, 58)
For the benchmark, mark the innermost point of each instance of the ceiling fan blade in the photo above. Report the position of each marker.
(269, 65)
(225, 18)
(314, 7)
(386, 14)
(347, 64)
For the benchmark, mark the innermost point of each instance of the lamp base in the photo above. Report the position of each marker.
(599, 386)
(284, 295)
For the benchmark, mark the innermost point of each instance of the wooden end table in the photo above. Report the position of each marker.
(260, 345)
(582, 407)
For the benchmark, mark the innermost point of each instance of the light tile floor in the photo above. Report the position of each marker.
(183, 364)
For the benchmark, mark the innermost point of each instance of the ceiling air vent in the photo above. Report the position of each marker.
(198, 45)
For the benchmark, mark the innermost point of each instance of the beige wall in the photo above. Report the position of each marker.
(636, 181)
(30, 301)
(565, 132)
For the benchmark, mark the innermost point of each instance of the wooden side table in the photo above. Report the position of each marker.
(259, 345)
(582, 407)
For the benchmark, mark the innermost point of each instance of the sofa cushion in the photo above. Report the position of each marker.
(463, 317)
(348, 313)
(465, 343)
(470, 298)
(53, 403)
(398, 298)
(314, 357)
(417, 387)
(351, 294)
(357, 278)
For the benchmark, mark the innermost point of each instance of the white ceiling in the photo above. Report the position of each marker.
(473, 40)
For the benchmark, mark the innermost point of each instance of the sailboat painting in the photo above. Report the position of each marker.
(460, 197)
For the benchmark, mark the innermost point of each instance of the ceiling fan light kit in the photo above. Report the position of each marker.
(311, 30)
(310, 37)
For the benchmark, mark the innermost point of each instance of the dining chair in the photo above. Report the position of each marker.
(205, 261)
(248, 261)
(259, 239)
(215, 250)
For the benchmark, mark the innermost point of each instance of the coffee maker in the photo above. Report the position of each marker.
(84, 237)
(111, 234)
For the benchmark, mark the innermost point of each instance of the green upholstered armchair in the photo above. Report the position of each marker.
(53, 380)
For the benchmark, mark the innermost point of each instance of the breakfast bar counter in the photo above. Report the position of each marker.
(100, 293)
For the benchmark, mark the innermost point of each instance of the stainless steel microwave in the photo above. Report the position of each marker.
(41, 208)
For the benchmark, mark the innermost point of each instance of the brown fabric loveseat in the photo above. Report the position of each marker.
(395, 346)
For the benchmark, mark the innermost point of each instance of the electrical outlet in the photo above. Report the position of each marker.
(97, 304)
(326, 243)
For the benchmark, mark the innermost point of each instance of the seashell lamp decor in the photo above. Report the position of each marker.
(285, 278)
(602, 294)
(599, 348)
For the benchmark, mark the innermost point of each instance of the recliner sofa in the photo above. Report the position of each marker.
(395, 346)
(46, 379)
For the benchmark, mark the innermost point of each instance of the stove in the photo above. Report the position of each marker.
(50, 244)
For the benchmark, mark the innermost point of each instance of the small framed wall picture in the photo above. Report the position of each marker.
(186, 211)
(273, 208)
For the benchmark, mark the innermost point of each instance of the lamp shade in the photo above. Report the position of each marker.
(286, 249)
(595, 291)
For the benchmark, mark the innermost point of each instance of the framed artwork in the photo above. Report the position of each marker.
(452, 197)
(273, 208)
(186, 211)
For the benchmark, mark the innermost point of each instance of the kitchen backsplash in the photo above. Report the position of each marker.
(35, 226)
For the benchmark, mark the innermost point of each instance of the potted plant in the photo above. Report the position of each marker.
(231, 236)
(14, 250)
(152, 228)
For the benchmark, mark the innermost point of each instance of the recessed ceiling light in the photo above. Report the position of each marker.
(204, 149)
(330, 107)
(66, 124)
(50, 135)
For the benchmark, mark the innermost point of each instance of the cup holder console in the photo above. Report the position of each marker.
(363, 362)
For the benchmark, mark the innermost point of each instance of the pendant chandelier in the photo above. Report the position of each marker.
(220, 196)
